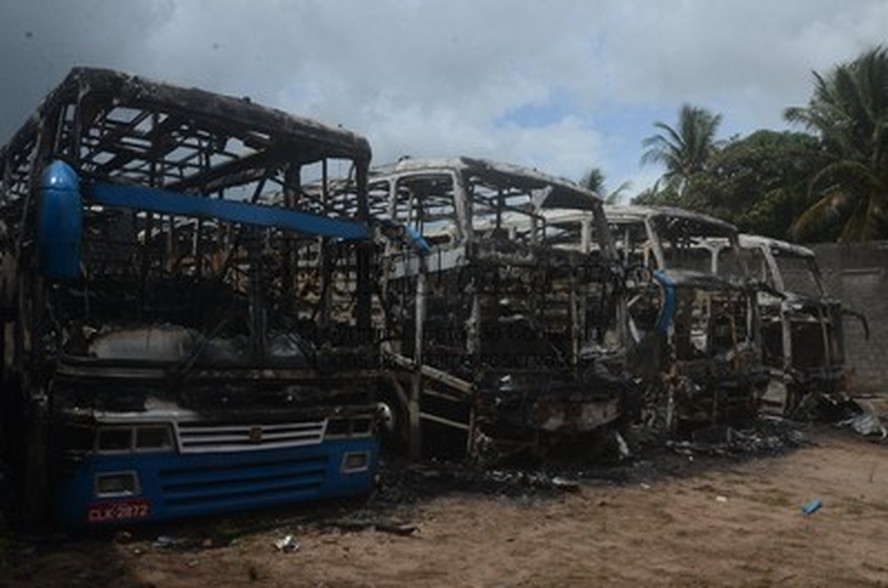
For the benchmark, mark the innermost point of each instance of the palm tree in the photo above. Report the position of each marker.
(849, 112)
(683, 151)
(593, 180)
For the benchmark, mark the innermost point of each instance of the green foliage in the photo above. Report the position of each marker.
(670, 195)
(758, 182)
(593, 180)
(685, 149)
(849, 113)
(832, 185)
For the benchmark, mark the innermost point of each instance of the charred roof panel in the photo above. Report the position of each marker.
(238, 116)
(561, 192)
(716, 227)
(749, 241)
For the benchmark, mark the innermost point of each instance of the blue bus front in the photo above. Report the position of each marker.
(163, 464)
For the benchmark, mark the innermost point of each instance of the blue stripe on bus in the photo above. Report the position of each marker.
(165, 201)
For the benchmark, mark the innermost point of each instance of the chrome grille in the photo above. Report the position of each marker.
(216, 437)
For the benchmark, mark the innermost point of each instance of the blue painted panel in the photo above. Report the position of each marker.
(416, 238)
(177, 485)
(59, 222)
(668, 310)
(167, 202)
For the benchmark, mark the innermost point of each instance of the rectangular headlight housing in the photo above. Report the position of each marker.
(355, 461)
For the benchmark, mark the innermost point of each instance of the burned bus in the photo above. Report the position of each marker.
(691, 336)
(169, 345)
(494, 342)
(802, 327)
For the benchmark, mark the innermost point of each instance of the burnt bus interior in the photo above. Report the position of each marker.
(802, 327)
(711, 316)
(692, 333)
(489, 329)
(812, 322)
(813, 337)
(214, 312)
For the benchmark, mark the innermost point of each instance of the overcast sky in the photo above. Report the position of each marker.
(557, 85)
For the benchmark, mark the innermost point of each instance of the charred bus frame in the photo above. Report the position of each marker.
(169, 348)
(691, 337)
(489, 330)
(802, 327)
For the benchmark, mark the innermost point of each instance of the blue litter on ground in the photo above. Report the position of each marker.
(811, 506)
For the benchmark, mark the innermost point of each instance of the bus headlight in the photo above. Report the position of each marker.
(355, 461)
(117, 484)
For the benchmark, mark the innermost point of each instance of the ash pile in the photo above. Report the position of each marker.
(764, 436)
(637, 456)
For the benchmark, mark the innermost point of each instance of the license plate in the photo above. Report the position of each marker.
(121, 510)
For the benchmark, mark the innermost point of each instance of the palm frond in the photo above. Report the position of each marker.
(824, 212)
(858, 226)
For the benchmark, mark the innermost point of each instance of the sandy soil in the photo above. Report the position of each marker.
(724, 522)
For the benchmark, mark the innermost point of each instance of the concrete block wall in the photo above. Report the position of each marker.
(857, 274)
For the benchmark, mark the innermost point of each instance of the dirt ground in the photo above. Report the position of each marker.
(721, 521)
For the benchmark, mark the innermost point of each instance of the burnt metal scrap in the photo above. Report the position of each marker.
(526, 478)
(484, 324)
(761, 437)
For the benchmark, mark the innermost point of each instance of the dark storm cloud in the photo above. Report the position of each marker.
(40, 40)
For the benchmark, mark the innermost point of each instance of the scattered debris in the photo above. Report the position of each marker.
(565, 484)
(767, 435)
(811, 506)
(866, 421)
(287, 544)
(622, 446)
(375, 523)
(165, 542)
(402, 485)
(652, 457)
(842, 410)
